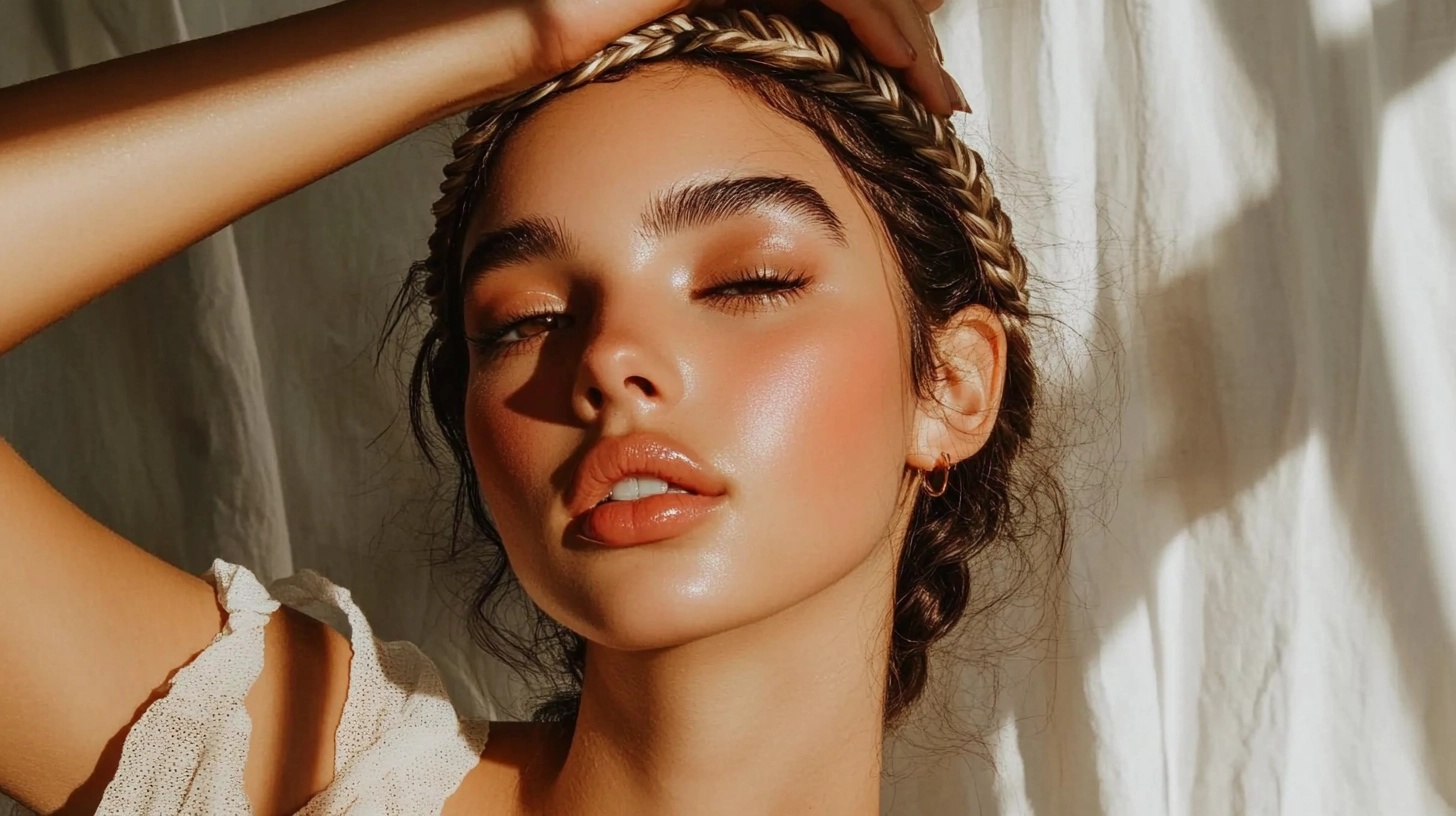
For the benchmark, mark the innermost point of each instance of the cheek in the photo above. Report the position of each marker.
(511, 453)
(821, 423)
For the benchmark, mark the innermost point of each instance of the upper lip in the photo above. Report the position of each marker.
(642, 453)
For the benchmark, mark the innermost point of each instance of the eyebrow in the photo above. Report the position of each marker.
(678, 208)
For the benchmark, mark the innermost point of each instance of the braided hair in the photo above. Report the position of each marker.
(954, 246)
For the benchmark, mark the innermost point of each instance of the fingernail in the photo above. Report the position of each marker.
(958, 97)
(910, 52)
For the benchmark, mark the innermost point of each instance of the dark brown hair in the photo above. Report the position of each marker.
(954, 249)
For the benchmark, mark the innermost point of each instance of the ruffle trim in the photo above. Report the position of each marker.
(400, 747)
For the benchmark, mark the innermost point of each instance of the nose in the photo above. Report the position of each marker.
(629, 367)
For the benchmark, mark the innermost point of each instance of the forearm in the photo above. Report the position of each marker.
(106, 170)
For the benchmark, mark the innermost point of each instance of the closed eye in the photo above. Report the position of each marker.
(761, 287)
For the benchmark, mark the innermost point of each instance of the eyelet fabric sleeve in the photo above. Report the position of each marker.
(400, 747)
(185, 754)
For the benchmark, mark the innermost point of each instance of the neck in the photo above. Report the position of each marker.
(781, 716)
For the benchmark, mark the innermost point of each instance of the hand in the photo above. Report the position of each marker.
(566, 32)
(888, 30)
(885, 27)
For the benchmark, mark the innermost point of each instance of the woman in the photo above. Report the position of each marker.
(668, 278)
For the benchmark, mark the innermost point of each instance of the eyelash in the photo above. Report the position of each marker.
(781, 287)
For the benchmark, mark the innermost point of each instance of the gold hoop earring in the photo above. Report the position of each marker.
(945, 480)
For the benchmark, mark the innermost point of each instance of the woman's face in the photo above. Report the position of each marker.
(800, 401)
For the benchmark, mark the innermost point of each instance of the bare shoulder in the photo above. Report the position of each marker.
(518, 757)
(296, 705)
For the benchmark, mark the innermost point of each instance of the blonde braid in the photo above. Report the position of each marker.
(778, 44)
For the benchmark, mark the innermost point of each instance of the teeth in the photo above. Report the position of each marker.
(633, 488)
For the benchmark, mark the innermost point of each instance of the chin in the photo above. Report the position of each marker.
(657, 596)
(672, 593)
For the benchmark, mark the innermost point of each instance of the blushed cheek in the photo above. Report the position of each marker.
(820, 423)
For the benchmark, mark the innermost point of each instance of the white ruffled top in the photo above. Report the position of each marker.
(400, 747)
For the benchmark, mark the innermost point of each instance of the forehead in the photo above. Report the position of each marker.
(596, 156)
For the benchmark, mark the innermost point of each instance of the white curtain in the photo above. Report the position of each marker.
(1245, 215)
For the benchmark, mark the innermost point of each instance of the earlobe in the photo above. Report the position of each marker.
(972, 351)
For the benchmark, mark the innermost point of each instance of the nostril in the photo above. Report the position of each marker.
(643, 383)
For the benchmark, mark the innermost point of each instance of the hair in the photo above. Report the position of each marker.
(954, 247)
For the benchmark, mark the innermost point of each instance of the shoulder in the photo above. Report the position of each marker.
(381, 705)
(247, 721)
(497, 777)
(283, 710)
(296, 706)
(519, 757)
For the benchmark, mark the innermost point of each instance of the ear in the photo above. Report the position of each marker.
(967, 392)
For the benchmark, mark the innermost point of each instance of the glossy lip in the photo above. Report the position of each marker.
(644, 521)
(640, 453)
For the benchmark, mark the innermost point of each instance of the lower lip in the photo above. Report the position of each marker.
(643, 521)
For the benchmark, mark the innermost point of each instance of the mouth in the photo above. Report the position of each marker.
(641, 487)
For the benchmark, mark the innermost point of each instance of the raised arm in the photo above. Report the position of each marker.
(106, 170)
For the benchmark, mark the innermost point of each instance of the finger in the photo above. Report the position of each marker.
(894, 30)
(933, 37)
(926, 77)
(953, 88)
(929, 6)
(881, 32)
